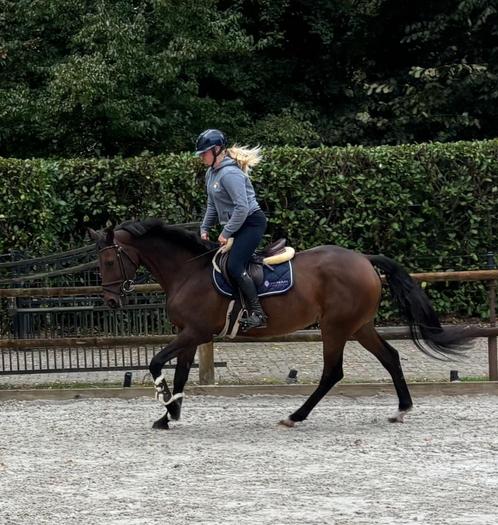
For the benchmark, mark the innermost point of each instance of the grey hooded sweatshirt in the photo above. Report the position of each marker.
(231, 198)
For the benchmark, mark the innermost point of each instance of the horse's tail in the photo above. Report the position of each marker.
(425, 328)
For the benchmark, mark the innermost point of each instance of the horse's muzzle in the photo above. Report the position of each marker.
(113, 301)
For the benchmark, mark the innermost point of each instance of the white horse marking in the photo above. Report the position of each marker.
(399, 416)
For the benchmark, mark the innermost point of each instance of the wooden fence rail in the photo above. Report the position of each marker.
(301, 336)
(466, 276)
(206, 359)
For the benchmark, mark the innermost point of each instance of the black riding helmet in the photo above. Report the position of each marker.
(209, 139)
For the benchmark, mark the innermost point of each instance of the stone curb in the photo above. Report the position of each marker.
(348, 390)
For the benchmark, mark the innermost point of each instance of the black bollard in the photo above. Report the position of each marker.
(454, 376)
(127, 380)
(292, 377)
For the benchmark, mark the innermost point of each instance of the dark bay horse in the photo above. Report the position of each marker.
(336, 287)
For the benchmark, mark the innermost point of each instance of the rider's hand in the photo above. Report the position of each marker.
(222, 240)
(205, 236)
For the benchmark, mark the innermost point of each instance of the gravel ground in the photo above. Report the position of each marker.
(97, 461)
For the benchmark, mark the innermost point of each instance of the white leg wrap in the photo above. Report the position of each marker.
(160, 392)
(174, 397)
(158, 380)
(160, 398)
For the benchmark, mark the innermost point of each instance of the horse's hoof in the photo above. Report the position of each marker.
(287, 423)
(161, 424)
(399, 417)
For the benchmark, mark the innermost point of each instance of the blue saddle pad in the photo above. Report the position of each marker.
(277, 279)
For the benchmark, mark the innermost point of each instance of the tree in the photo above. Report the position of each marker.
(107, 77)
(114, 76)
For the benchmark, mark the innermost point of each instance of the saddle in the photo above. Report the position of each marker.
(275, 253)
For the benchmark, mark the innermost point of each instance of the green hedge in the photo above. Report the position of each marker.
(429, 206)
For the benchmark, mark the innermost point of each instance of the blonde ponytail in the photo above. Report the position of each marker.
(245, 157)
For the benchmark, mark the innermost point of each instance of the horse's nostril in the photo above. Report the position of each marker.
(112, 303)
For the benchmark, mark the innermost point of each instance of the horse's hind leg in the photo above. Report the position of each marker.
(333, 349)
(368, 337)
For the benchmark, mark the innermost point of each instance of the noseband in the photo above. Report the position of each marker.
(126, 285)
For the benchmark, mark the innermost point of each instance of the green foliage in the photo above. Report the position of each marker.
(124, 77)
(292, 127)
(429, 74)
(28, 205)
(114, 76)
(430, 206)
(91, 192)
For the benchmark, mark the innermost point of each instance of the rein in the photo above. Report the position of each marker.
(202, 254)
(126, 285)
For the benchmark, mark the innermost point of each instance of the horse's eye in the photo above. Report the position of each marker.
(109, 263)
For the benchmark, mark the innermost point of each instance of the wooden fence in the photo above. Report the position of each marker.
(206, 361)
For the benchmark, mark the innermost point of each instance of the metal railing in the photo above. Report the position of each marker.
(111, 352)
(50, 328)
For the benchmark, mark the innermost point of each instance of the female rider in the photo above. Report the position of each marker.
(232, 203)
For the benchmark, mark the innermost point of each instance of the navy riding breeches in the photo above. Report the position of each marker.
(245, 242)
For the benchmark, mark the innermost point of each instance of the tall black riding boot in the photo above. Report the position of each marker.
(257, 317)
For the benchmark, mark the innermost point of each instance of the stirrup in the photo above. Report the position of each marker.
(255, 320)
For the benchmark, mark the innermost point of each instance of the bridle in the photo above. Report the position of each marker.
(127, 285)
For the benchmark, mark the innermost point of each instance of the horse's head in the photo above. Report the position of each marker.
(117, 265)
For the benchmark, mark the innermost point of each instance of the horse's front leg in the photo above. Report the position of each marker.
(183, 364)
(183, 343)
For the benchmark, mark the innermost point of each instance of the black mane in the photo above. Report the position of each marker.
(177, 235)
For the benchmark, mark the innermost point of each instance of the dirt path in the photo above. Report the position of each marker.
(97, 461)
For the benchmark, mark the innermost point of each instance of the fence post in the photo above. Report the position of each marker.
(492, 354)
(206, 363)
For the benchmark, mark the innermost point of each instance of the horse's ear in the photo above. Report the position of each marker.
(109, 233)
(95, 236)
